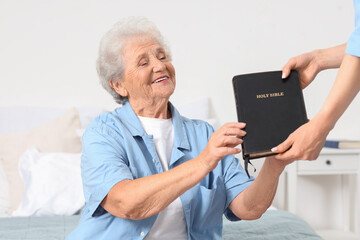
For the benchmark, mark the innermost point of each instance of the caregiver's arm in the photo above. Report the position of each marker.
(144, 197)
(307, 141)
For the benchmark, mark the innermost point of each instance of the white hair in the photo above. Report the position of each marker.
(110, 63)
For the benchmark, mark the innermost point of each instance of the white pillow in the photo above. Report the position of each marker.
(58, 135)
(5, 203)
(198, 109)
(52, 183)
(87, 114)
(272, 208)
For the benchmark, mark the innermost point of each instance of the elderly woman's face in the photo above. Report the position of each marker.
(149, 75)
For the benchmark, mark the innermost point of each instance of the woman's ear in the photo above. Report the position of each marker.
(119, 88)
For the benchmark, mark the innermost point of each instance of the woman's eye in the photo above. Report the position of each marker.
(161, 56)
(142, 64)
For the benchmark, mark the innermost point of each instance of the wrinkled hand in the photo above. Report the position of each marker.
(306, 66)
(223, 142)
(303, 144)
(278, 165)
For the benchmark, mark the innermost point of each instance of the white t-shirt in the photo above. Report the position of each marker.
(170, 223)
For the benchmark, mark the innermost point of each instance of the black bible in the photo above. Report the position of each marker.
(271, 107)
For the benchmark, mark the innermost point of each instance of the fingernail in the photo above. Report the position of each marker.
(283, 75)
(274, 149)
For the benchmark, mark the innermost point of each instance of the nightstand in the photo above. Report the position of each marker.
(343, 162)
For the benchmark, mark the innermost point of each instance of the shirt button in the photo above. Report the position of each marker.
(142, 234)
(153, 160)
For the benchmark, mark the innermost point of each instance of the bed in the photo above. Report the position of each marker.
(41, 146)
(274, 224)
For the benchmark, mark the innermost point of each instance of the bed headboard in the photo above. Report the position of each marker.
(21, 118)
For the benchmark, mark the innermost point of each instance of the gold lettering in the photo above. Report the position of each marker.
(262, 96)
(266, 95)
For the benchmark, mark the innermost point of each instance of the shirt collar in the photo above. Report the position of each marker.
(134, 126)
(181, 139)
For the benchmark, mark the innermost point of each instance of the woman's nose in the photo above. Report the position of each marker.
(159, 66)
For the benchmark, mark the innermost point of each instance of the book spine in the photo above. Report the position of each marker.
(236, 98)
(239, 115)
(305, 120)
(331, 144)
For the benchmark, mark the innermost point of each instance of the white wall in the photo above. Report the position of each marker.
(48, 48)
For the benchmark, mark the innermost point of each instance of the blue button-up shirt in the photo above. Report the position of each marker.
(116, 147)
(353, 44)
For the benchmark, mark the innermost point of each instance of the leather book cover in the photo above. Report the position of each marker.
(271, 107)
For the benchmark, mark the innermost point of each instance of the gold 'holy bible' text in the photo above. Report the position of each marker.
(267, 95)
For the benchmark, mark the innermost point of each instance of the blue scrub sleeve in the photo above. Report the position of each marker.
(103, 164)
(353, 44)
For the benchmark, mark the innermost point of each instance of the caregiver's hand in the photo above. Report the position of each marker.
(310, 64)
(303, 144)
(306, 65)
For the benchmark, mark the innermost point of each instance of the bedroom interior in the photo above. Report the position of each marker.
(48, 83)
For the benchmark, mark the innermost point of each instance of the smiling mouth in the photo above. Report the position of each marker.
(161, 79)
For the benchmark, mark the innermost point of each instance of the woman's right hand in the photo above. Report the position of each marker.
(222, 142)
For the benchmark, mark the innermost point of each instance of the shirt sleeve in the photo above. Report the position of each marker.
(103, 164)
(353, 44)
(236, 181)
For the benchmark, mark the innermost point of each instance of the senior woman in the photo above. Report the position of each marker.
(148, 172)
